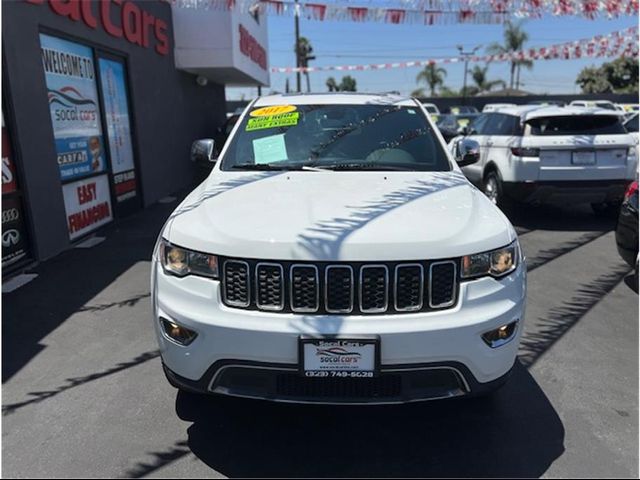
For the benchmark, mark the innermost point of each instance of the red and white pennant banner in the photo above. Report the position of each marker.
(622, 43)
(426, 12)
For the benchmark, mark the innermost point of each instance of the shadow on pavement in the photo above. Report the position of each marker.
(69, 281)
(547, 217)
(516, 433)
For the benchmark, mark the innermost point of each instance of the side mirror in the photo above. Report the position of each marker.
(203, 151)
(467, 152)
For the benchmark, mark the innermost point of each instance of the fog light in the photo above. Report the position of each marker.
(500, 336)
(179, 334)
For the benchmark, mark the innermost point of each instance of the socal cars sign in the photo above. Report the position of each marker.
(135, 25)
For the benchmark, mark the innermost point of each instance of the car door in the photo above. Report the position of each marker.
(502, 130)
(477, 132)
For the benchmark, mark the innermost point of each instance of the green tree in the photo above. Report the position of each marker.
(331, 84)
(618, 76)
(418, 93)
(433, 76)
(348, 84)
(482, 84)
(591, 80)
(514, 39)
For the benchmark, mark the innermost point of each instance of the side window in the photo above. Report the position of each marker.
(492, 125)
(502, 124)
(479, 124)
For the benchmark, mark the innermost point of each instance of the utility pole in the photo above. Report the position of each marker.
(466, 56)
(296, 18)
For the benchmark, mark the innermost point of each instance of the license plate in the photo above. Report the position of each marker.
(339, 357)
(583, 158)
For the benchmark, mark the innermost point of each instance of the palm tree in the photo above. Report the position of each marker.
(479, 76)
(304, 50)
(433, 76)
(514, 39)
(331, 84)
(528, 64)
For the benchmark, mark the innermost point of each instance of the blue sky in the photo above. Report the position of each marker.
(341, 43)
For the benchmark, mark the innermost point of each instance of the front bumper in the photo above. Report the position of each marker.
(447, 344)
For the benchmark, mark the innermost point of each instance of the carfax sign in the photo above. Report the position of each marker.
(73, 104)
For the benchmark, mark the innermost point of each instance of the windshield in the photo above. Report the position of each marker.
(575, 125)
(373, 137)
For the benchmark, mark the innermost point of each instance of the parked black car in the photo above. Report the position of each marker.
(452, 125)
(627, 228)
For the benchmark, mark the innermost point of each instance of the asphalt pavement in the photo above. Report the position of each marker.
(84, 395)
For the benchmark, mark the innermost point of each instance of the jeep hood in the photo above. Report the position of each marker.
(353, 216)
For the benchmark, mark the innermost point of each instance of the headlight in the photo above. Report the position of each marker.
(495, 263)
(180, 261)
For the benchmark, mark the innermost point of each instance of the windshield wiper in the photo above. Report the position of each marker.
(262, 166)
(364, 166)
(271, 166)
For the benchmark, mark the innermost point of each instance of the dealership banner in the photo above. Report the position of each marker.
(73, 104)
(14, 242)
(88, 205)
(622, 43)
(422, 12)
(116, 108)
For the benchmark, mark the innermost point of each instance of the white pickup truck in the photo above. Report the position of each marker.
(337, 254)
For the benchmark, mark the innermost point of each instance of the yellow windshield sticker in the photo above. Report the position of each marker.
(273, 121)
(463, 122)
(273, 110)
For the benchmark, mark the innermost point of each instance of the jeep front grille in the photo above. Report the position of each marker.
(339, 288)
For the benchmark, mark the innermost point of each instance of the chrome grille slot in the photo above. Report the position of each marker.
(343, 288)
(305, 288)
(409, 287)
(374, 288)
(236, 289)
(442, 284)
(339, 289)
(269, 286)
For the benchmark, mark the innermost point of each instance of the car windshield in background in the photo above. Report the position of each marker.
(345, 137)
(576, 125)
(455, 121)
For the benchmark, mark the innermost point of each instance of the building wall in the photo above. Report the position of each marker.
(168, 111)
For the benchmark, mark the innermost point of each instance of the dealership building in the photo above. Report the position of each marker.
(101, 100)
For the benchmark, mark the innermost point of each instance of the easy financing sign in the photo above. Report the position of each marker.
(88, 205)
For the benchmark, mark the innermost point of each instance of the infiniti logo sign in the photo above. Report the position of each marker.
(10, 238)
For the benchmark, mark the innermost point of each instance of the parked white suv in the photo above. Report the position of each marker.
(552, 155)
(337, 254)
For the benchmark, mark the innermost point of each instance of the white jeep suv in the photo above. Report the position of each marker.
(337, 254)
(552, 154)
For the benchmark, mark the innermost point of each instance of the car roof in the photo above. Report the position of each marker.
(528, 112)
(332, 98)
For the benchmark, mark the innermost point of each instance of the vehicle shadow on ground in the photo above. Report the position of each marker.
(516, 433)
(555, 218)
